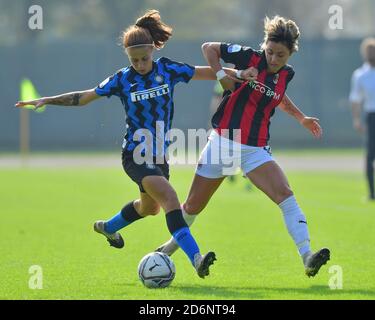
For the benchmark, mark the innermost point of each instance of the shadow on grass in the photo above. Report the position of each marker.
(275, 293)
(248, 293)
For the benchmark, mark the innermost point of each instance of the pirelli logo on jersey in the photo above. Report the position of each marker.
(262, 88)
(150, 93)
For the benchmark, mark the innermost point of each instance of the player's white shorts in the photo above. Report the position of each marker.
(222, 157)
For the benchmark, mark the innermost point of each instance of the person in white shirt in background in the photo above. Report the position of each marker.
(362, 96)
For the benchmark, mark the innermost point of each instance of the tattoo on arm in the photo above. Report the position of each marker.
(76, 98)
(68, 99)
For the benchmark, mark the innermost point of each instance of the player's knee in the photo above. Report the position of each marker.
(283, 193)
(192, 207)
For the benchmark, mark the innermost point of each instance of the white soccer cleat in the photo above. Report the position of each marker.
(114, 239)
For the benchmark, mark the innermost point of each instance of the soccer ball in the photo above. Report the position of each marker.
(156, 270)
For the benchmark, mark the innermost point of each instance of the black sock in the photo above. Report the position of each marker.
(129, 213)
(175, 220)
(181, 233)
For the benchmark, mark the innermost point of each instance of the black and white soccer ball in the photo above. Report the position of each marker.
(156, 270)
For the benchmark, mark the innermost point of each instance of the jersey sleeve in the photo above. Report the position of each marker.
(355, 95)
(289, 78)
(109, 86)
(179, 72)
(290, 75)
(236, 54)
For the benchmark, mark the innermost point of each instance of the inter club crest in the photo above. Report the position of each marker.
(159, 78)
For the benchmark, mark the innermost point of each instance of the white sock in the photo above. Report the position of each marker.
(189, 218)
(296, 224)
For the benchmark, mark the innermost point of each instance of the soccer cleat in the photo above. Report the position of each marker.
(203, 263)
(169, 248)
(314, 261)
(114, 239)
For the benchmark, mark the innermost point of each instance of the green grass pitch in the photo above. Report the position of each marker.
(47, 217)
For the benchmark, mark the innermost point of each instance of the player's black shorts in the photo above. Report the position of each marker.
(138, 171)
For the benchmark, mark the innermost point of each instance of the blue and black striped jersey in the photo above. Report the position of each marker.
(148, 101)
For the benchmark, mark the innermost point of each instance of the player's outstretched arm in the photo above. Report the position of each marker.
(310, 123)
(207, 73)
(77, 98)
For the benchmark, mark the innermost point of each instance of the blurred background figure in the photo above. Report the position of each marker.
(362, 97)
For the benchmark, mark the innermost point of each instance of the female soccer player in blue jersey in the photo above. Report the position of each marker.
(146, 91)
(241, 126)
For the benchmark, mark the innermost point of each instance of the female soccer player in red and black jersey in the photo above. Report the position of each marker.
(146, 91)
(241, 131)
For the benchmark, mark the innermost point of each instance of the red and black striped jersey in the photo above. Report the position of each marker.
(252, 104)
